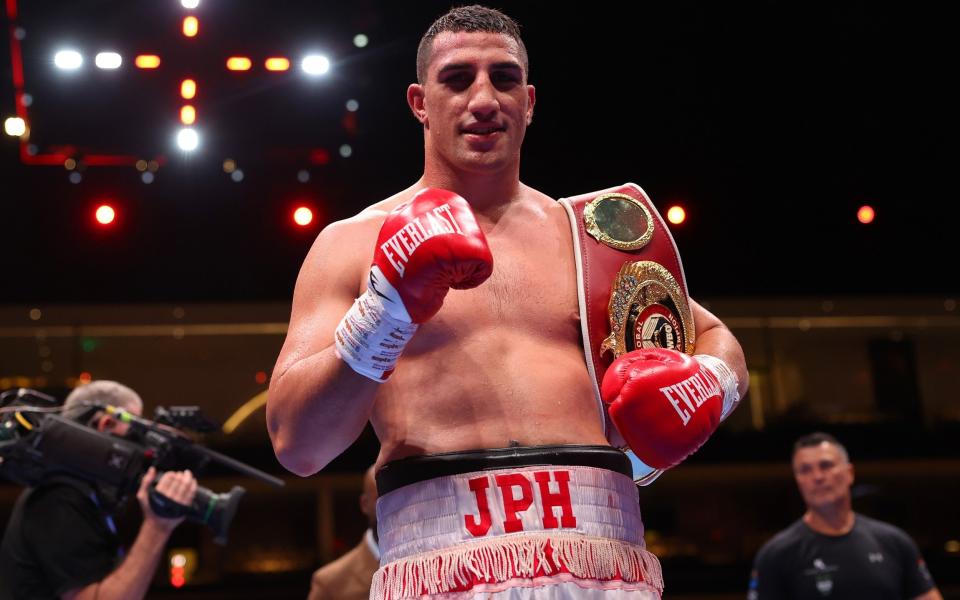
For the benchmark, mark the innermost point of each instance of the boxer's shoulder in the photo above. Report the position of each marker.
(366, 222)
(535, 197)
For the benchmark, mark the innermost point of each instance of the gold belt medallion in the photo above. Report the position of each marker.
(619, 221)
(648, 310)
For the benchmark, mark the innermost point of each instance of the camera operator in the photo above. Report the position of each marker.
(61, 541)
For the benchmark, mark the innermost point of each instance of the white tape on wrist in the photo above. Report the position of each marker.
(370, 340)
(726, 378)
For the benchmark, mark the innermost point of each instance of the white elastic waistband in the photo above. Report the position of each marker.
(446, 511)
(488, 528)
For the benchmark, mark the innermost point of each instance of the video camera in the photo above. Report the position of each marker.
(38, 445)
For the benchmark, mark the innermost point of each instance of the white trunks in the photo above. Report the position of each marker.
(515, 533)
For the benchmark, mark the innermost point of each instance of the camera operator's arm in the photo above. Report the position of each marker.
(132, 578)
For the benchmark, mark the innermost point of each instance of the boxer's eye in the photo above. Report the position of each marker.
(505, 79)
(458, 81)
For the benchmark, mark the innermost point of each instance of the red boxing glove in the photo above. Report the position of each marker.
(666, 404)
(426, 246)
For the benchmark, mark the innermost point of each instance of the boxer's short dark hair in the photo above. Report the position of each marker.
(473, 18)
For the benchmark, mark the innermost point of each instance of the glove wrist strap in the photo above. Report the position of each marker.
(727, 380)
(370, 340)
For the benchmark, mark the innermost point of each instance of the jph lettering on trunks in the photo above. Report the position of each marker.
(525, 501)
(400, 246)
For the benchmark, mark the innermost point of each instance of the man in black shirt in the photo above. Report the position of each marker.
(832, 552)
(60, 541)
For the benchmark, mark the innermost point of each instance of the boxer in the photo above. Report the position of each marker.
(447, 316)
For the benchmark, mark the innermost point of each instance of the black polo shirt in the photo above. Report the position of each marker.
(57, 539)
(873, 560)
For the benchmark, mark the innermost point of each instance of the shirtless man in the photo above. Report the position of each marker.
(496, 363)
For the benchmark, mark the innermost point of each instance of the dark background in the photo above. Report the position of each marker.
(771, 122)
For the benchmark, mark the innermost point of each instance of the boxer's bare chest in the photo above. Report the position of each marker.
(533, 287)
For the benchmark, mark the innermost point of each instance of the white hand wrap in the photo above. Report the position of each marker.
(370, 340)
(727, 379)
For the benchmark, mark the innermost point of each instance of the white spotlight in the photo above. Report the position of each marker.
(68, 59)
(15, 126)
(108, 60)
(315, 64)
(190, 4)
(187, 139)
(353, 105)
(360, 40)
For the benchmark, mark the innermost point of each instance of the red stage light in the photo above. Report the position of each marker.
(176, 577)
(676, 215)
(302, 216)
(105, 215)
(866, 214)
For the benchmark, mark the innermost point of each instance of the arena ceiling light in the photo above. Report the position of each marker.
(239, 63)
(187, 139)
(68, 60)
(108, 60)
(15, 126)
(191, 27)
(188, 115)
(190, 4)
(188, 89)
(315, 64)
(276, 63)
(147, 61)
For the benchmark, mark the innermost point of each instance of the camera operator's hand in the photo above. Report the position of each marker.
(178, 486)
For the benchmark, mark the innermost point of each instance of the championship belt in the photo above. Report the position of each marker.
(631, 287)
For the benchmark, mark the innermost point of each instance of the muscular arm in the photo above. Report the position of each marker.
(715, 339)
(317, 405)
(131, 580)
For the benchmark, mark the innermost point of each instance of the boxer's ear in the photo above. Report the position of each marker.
(531, 100)
(415, 100)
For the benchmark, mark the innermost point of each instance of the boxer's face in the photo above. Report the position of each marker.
(475, 104)
(822, 474)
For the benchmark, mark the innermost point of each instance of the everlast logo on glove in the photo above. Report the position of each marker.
(548, 492)
(438, 221)
(693, 391)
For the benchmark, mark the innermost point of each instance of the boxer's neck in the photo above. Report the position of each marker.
(487, 193)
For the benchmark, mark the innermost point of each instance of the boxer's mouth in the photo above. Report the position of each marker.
(483, 130)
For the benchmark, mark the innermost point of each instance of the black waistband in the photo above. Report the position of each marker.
(398, 473)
